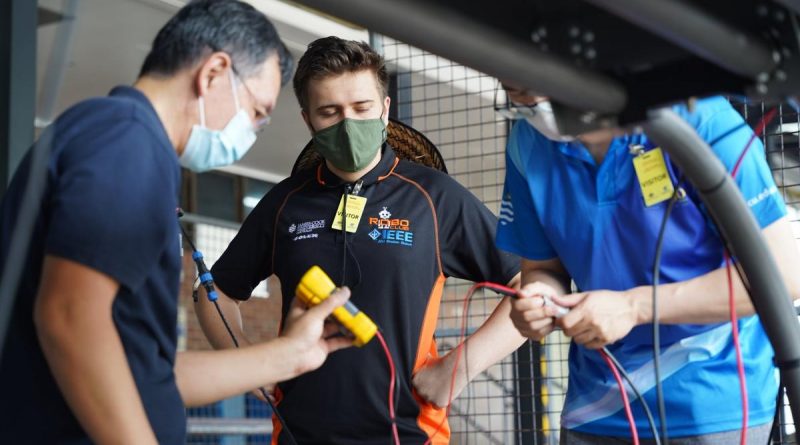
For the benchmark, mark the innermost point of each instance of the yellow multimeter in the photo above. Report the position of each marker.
(315, 286)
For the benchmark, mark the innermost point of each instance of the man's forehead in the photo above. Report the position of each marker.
(350, 87)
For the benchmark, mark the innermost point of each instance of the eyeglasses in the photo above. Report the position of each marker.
(262, 117)
(510, 110)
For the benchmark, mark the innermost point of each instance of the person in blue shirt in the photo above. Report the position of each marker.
(574, 210)
(91, 351)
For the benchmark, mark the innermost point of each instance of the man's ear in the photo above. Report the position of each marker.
(386, 102)
(212, 71)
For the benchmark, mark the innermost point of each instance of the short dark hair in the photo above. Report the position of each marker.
(330, 56)
(205, 26)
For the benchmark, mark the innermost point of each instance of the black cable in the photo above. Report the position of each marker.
(15, 260)
(656, 337)
(656, 272)
(207, 282)
(356, 190)
(728, 133)
(225, 322)
(236, 344)
(627, 378)
(344, 232)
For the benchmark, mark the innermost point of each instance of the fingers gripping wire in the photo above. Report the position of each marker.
(207, 281)
(614, 365)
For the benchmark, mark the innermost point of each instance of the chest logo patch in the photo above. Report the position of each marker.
(388, 230)
(305, 230)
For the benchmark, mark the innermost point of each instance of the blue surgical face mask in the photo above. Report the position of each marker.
(207, 148)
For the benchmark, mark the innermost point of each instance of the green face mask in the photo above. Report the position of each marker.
(351, 144)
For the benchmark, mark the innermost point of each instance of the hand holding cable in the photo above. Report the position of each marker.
(558, 306)
(531, 314)
(598, 318)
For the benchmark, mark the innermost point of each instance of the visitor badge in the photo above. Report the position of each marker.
(654, 179)
(355, 208)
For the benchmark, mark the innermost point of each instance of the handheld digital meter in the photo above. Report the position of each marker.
(315, 286)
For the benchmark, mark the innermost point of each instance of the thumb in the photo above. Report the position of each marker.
(569, 300)
(335, 299)
(296, 309)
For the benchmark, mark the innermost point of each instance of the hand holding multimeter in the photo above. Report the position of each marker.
(315, 286)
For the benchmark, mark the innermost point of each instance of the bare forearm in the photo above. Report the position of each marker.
(208, 376)
(701, 300)
(493, 341)
(705, 299)
(553, 279)
(88, 361)
(212, 325)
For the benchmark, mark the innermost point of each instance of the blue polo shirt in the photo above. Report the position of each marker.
(112, 185)
(558, 203)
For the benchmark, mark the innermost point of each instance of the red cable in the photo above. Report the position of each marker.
(391, 387)
(495, 287)
(625, 402)
(737, 347)
(731, 298)
(760, 129)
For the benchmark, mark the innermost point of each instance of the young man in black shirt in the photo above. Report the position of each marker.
(418, 226)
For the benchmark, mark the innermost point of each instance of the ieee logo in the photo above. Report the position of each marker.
(388, 230)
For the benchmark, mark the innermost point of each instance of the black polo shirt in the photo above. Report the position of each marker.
(419, 227)
(112, 187)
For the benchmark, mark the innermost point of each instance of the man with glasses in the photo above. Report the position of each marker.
(574, 209)
(91, 352)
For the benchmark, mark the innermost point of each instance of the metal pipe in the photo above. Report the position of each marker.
(738, 226)
(697, 32)
(466, 41)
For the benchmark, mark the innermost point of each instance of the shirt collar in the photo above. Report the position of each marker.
(138, 96)
(576, 149)
(385, 166)
(134, 94)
